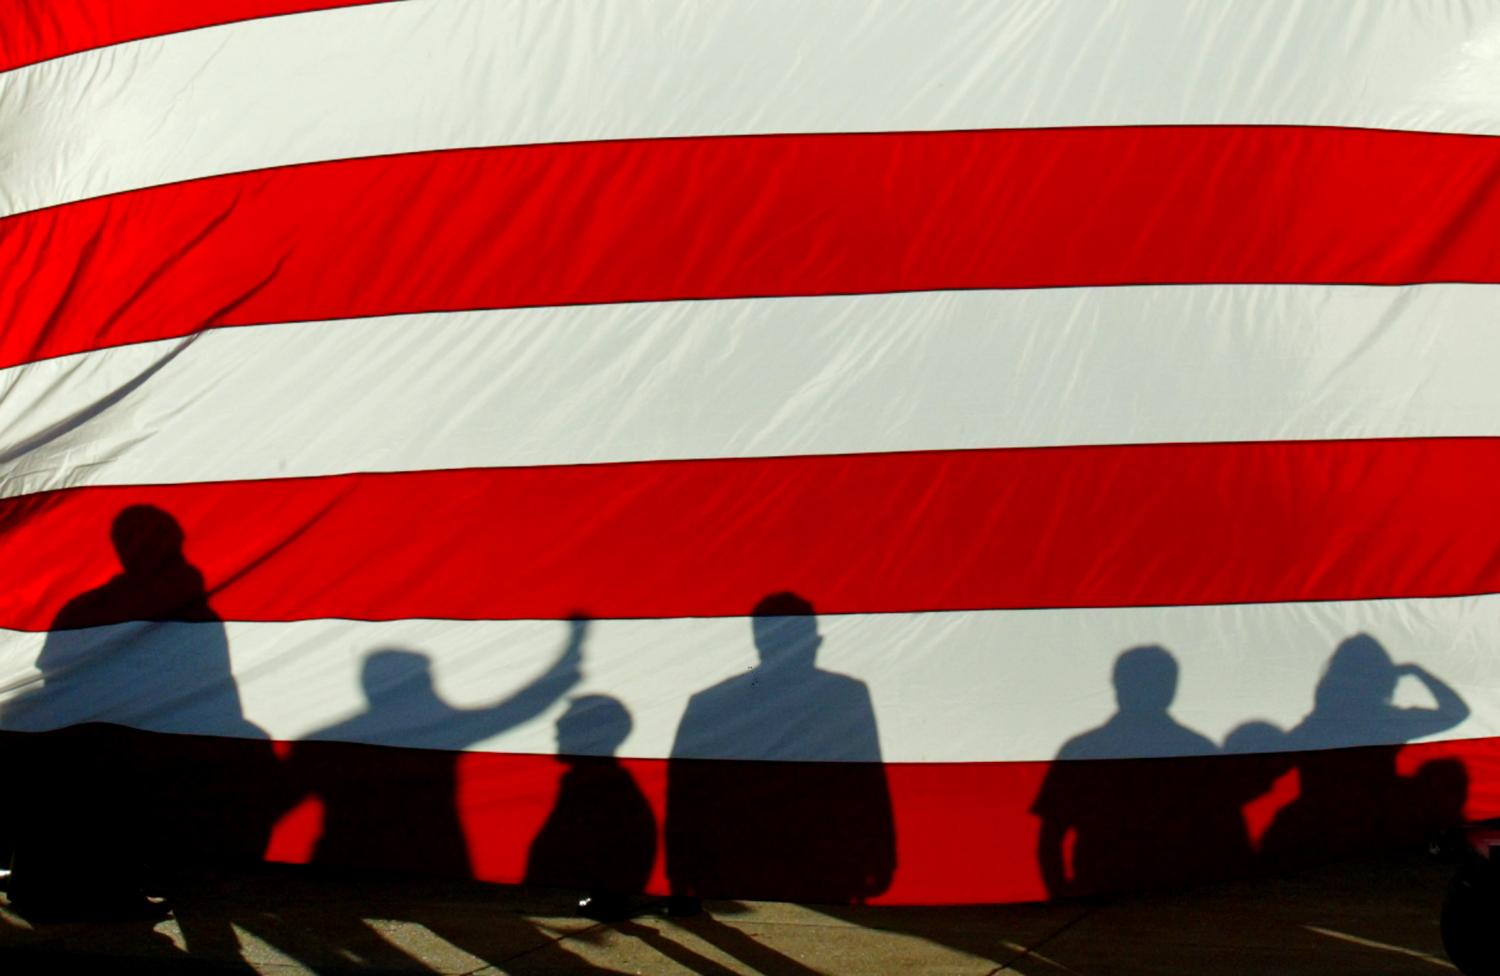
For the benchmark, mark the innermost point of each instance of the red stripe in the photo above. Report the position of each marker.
(751, 216)
(1096, 526)
(966, 833)
(36, 31)
(963, 832)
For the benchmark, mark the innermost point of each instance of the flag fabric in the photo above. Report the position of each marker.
(885, 451)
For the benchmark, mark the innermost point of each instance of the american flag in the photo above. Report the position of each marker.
(957, 453)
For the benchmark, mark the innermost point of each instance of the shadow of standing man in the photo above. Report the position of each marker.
(745, 818)
(1142, 796)
(104, 800)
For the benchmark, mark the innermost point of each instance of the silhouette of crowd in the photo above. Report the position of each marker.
(104, 811)
(1139, 821)
(191, 799)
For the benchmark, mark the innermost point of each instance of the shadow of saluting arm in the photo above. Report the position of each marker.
(1450, 710)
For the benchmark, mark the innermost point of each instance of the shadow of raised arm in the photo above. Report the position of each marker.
(535, 698)
(1450, 710)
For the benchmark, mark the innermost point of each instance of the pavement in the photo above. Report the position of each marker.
(1376, 915)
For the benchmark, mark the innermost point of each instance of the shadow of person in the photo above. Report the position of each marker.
(747, 816)
(1436, 795)
(1139, 800)
(398, 808)
(105, 792)
(601, 834)
(1351, 796)
(600, 837)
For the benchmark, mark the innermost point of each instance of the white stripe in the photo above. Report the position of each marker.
(430, 75)
(760, 378)
(946, 687)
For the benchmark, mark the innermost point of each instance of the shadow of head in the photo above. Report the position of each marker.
(786, 631)
(1255, 737)
(593, 725)
(389, 676)
(1438, 791)
(1359, 675)
(146, 539)
(1145, 680)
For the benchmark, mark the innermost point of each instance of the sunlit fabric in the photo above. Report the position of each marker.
(851, 452)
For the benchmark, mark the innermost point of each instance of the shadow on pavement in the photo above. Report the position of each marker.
(1375, 916)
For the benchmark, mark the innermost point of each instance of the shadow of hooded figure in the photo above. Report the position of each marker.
(1140, 815)
(398, 808)
(601, 834)
(106, 792)
(745, 817)
(1351, 797)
